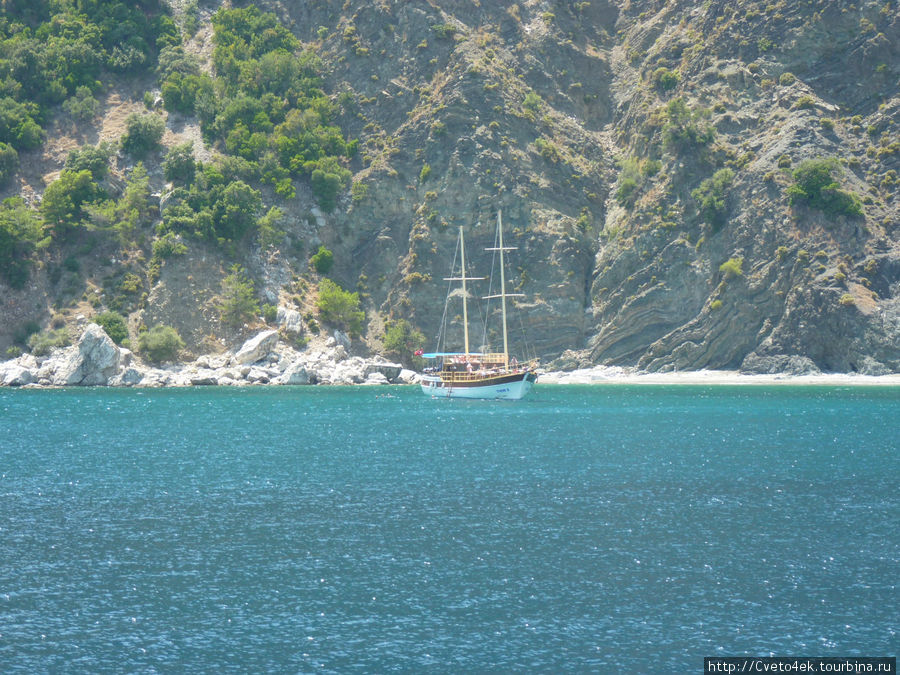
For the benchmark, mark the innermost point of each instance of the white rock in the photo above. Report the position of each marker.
(390, 371)
(93, 361)
(127, 378)
(259, 375)
(290, 319)
(205, 378)
(295, 374)
(342, 339)
(376, 378)
(257, 348)
(14, 375)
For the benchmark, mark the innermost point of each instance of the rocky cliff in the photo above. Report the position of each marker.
(643, 153)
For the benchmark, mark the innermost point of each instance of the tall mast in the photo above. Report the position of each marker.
(503, 291)
(502, 294)
(462, 248)
(463, 278)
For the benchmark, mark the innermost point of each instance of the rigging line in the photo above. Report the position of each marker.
(529, 349)
(487, 305)
(442, 329)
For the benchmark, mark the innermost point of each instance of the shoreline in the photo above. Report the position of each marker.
(265, 360)
(615, 375)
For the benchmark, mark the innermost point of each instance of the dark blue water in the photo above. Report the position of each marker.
(605, 529)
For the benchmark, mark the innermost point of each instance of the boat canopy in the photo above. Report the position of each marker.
(439, 355)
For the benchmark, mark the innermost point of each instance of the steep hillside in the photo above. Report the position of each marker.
(689, 185)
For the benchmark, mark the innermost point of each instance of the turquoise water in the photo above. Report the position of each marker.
(605, 528)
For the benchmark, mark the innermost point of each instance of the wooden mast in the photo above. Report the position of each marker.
(503, 291)
(462, 248)
(463, 278)
(502, 294)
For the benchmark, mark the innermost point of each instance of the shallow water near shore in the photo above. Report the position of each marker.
(371, 529)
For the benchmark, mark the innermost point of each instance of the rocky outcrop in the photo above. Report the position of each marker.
(95, 360)
(92, 361)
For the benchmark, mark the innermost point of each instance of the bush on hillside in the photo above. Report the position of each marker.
(114, 325)
(9, 163)
(142, 134)
(161, 343)
(711, 197)
(46, 341)
(323, 260)
(816, 186)
(339, 307)
(239, 302)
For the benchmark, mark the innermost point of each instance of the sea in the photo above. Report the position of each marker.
(603, 529)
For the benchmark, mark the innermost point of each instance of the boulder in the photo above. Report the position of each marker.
(290, 319)
(205, 378)
(128, 377)
(295, 374)
(14, 375)
(257, 348)
(390, 371)
(93, 361)
(259, 376)
(376, 378)
(408, 376)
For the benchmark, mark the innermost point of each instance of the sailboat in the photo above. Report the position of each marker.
(484, 375)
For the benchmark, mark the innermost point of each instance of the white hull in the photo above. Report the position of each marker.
(513, 391)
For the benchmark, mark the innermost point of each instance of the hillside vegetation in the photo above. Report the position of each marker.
(689, 185)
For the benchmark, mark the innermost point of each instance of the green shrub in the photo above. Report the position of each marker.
(715, 305)
(179, 164)
(683, 128)
(711, 197)
(65, 198)
(425, 172)
(271, 232)
(18, 125)
(787, 79)
(91, 158)
(401, 339)
(82, 106)
(239, 302)
(339, 307)
(20, 235)
(323, 260)
(532, 102)
(626, 194)
(270, 313)
(733, 267)
(142, 134)
(9, 162)
(665, 79)
(326, 187)
(815, 186)
(847, 299)
(161, 343)
(44, 342)
(114, 325)
(444, 30)
(168, 245)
